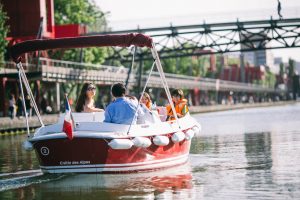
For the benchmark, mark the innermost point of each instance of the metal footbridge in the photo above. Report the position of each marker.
(51, 70)
(202, 39)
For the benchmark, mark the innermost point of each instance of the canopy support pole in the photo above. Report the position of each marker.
(144, 89)
(164, 81)
(23, 102)
(57, 97)
(133, 51)
(22, 78)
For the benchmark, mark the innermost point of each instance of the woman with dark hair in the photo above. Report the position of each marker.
(85, 102)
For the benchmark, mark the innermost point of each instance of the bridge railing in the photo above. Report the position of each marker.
(10, 67)
(78, 65)
(191, 82)
(63, 71)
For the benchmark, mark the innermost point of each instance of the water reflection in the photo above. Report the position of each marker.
(251, 154)
(245, 154)
(172, 183)
(259, 163)
(206, 144)
(13, 156)
(258, 150)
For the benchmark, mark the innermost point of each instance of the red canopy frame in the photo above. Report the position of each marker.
(122, 40)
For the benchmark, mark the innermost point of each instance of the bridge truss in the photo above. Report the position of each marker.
(202, 39)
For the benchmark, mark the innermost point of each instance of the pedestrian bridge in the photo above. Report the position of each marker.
(50, 70)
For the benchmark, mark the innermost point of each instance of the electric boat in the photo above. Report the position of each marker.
(100, 147)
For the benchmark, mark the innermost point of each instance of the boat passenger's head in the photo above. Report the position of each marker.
(88, 91)
(177, 95)
(145, 98)
(118, 90)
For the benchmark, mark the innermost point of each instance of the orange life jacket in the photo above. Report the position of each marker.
(180, 108)
(148, 105)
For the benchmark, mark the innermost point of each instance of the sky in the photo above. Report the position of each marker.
(129, 14)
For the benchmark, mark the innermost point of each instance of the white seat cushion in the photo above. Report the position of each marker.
(85, 117)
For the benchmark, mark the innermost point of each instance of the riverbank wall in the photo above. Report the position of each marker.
(18, 125)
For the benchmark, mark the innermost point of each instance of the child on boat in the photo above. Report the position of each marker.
(146, 100)
(180, 104)
(150, 114)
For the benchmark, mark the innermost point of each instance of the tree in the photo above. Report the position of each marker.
(3, 33)
(79, 12)
(76, 12)
(84, 12)
(270, 79)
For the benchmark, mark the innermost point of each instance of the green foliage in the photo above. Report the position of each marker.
(3, 33)
(219, 64)
(90, 55)
(233, 61)
(259, 82)
(270, 79)
(79, 12)
(76, 12)
(192, 66)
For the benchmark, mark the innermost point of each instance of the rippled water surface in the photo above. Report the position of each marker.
(241, 154)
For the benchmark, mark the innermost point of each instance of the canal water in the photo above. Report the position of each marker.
(241, 154)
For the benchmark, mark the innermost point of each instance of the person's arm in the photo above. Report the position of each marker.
(91, 109)
(88, 109)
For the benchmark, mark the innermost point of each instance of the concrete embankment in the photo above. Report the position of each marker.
(18, 125)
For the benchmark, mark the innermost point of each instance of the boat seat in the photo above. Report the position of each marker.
(162, 112)
(85, 117)
(149, 118)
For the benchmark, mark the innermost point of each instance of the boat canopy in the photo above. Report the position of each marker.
(121, 40)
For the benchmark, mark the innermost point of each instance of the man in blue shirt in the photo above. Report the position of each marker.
(123, 109)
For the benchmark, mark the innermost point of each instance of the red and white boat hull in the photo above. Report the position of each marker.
(90, 155)
(108, 148)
